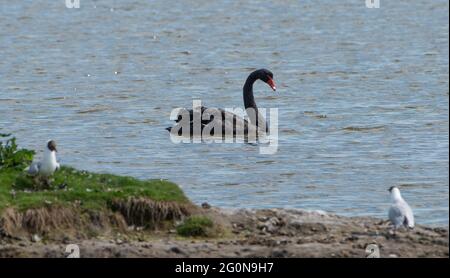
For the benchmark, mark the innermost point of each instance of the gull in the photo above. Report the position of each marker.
(400, 214)
(48, 165)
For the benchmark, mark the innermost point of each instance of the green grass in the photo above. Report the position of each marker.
(196, 226)
(90, 190)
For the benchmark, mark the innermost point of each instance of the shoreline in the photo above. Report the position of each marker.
(252, 233)
(106, 215)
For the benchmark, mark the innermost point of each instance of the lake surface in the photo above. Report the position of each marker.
(362, 95)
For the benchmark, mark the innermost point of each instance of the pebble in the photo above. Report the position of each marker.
(279, 253)
(35, 238)
(263, 218)
(176, 250)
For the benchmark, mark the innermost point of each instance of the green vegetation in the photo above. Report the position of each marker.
(10, 156)
(196, 226)
(89, 190)
(70, 186)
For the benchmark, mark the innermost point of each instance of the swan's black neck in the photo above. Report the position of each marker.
(249, 100)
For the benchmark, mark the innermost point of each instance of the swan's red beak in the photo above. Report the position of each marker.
(272, 84)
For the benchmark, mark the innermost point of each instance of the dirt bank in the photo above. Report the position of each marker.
(252, 233)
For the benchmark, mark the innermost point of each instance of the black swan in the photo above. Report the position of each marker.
(231, 122)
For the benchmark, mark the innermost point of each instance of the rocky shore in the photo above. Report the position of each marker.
(253, 233)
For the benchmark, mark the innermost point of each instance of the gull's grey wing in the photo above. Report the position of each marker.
(396, 216)
(400, 214)
(34, 168)
(409, 216)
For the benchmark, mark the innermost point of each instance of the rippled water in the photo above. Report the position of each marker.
(362, 96)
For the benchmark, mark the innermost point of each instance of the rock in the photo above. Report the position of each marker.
(296, 224)
(271, 228)
(35, 238)
(261, 225)
(274, 221)
(176, 250)
(205, 205)
(307, 228)
(263, 218)
(279, 253)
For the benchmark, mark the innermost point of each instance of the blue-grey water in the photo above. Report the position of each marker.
(362, 95)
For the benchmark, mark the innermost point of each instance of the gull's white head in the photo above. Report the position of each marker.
(395, 193)
(51, 146)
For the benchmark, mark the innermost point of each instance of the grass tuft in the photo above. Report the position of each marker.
(196, 226)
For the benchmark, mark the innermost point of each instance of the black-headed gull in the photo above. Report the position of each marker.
(400, 213)
(48, 165)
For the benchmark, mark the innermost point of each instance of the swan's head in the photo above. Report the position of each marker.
(51, 145)
(266, 76)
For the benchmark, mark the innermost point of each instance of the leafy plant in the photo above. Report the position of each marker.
(11, 156)
(196, 226)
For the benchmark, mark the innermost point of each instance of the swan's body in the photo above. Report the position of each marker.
(230, 122)
(400, 213)
(48, 165)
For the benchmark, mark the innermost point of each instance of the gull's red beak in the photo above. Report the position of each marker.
(271, 84)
